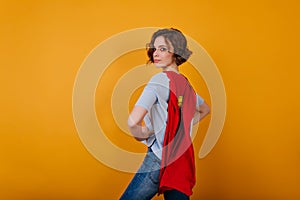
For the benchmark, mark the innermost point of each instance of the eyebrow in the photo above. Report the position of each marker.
(161, 46)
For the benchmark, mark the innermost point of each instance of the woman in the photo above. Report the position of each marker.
(169, 106)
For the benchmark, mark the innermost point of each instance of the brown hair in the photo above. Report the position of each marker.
(178, 41)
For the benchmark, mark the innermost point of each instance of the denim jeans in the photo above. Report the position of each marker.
(145, 182)
(175, 195)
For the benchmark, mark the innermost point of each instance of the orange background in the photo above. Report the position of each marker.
(255, 45)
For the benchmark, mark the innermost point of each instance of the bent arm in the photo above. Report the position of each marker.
(135, 119)
(202, 111)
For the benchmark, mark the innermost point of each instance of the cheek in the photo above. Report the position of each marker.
(168, 57)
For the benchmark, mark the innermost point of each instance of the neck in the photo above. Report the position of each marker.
(173, 68)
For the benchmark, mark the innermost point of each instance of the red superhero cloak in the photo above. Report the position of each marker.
(178, 164)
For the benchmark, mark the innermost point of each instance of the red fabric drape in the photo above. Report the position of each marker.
(178, 165)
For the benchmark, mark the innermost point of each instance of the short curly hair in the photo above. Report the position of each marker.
(177, 40)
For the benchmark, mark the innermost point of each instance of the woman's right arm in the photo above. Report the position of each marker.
(135, 119)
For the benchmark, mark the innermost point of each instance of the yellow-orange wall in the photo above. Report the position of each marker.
(255, 45)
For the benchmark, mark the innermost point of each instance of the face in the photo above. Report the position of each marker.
(163, 56)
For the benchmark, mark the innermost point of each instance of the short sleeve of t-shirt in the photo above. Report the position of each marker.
(200, 100)
(147, 98)
(157, 88)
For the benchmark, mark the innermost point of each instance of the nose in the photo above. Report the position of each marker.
(155, 53)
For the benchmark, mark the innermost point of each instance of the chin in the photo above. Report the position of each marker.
(158, 65)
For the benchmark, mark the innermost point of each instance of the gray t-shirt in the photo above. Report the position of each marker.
(154, 99)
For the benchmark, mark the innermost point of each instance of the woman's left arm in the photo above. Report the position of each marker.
(135, 119)
(202, 111)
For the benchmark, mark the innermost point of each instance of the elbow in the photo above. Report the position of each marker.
(130, 124)
(133, 128)
(205, 110)
(139, 139)
(208, 110)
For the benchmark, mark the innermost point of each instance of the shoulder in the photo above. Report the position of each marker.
(159, 83)
(160, 78)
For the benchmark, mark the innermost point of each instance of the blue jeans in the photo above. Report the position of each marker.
(175, 195)
(145, 183)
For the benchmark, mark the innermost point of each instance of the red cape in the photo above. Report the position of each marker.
(178, 164)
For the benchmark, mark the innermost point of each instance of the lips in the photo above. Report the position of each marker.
(156, 60)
